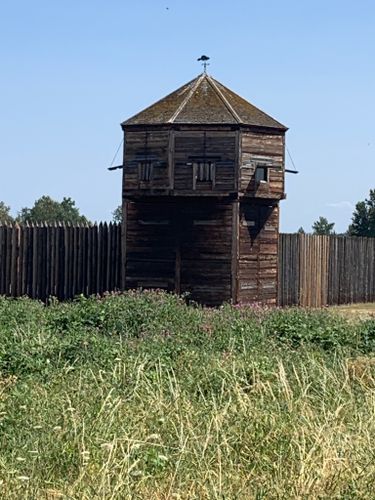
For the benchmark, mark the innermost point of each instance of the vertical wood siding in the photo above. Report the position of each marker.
(64, 260)
(315, 271)
(257, 147)
(59, 260)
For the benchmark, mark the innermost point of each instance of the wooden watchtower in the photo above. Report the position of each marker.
(203, 174)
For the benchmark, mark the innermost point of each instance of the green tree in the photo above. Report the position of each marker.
(5, 213)
(363, 219)
(323, 227)
(117, 215)
(301, 230)
(45, 209)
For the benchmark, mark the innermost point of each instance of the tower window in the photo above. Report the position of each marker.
(261, 174)
(145, 170)
(204, 171)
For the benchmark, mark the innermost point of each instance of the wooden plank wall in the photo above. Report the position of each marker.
(151, 145)
(205, 244)
(188, 143)
(150, 245)
(258, 252)
(315, 271)
(170, 153)
(254, 147)
(180, 246)
(59, 260)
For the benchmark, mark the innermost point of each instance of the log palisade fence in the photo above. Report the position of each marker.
(315, 271)
(60, 260)
(64, 260)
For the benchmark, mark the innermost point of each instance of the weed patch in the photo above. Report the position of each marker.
(141, 396)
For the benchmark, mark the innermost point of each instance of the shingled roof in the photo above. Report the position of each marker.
(204, 101)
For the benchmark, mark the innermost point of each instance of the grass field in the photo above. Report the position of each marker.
(357, 310)
(141, 396)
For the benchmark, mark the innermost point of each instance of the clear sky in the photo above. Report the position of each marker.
(71, 71)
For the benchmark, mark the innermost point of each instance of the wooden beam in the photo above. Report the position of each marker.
(235, 252)
(171, 159)
(123, 243)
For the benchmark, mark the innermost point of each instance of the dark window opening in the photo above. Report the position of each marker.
(205, 171)
(145, 171)
(261, 174)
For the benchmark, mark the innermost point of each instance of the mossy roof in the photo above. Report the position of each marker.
(204, 101)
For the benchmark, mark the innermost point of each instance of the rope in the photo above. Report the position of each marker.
(117, 150)
(291, 159)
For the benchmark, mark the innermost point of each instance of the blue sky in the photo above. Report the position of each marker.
(72, 71)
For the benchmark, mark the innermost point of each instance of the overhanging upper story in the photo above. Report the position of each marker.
(203, 140)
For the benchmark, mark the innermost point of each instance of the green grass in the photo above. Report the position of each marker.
(142, 396)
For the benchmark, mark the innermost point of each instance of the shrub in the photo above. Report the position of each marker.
(319, 327)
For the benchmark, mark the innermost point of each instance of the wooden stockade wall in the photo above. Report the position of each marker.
(315, 271)
(59, 260)
(62, 260)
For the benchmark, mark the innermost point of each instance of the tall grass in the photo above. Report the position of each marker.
(142, 396)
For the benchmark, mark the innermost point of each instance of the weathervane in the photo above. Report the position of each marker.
(204, 60)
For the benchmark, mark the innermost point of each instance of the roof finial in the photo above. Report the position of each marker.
(204, 60)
